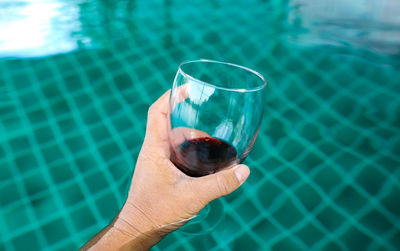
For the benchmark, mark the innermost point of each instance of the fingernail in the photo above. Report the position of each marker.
(242, 172)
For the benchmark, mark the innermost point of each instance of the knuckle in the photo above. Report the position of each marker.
(223, 185)
(195, 206)
(150, 110)
(193, 198)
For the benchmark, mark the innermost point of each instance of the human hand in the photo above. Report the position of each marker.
(161, 197)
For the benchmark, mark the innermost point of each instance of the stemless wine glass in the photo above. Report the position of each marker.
(215, 112)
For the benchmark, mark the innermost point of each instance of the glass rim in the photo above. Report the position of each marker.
(257, 88)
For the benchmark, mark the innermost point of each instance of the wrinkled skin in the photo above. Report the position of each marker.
(161, 197)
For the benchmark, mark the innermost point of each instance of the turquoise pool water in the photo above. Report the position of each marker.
(77, 77)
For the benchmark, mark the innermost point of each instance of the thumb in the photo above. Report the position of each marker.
(219, 184)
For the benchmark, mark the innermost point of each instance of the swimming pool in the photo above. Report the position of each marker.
(77, 77)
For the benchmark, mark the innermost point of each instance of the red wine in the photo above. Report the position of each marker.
(203, 156)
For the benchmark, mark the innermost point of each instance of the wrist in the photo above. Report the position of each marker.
(126, 241)
(137, 228)
(134, 220)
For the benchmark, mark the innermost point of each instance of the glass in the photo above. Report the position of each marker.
(215, 113)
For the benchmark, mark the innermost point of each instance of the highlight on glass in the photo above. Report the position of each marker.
(215, 112)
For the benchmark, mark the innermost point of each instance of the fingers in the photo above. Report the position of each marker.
(160, 107)
(158, 122)
(158, 111)
(219, 184)
(179, 95)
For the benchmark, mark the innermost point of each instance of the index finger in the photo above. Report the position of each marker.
(161, 104)
(158, 121)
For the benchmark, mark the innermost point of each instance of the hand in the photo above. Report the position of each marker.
(161, 197)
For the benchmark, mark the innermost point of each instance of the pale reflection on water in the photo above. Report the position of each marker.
(366, 24)
(36, 28)
(32, 28)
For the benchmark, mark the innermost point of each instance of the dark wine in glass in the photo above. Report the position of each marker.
(202, 156)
